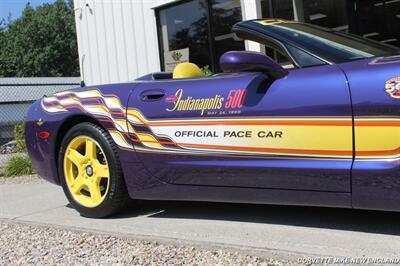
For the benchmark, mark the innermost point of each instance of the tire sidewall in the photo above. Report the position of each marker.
(92, 131)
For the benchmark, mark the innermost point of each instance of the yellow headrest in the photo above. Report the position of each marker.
(187, 70)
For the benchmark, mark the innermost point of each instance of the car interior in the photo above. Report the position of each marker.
(181, 71)
(191, 70)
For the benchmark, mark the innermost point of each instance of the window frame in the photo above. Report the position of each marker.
(269, 41)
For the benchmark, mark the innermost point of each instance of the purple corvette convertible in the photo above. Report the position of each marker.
(318, 126)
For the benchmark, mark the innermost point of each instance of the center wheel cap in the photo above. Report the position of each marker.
(89, 170)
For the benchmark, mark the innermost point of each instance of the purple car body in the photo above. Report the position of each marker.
(321, 135)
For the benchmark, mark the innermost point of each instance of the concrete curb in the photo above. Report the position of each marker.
(245, 250)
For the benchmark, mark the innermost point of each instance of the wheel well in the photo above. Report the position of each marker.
(67, 125)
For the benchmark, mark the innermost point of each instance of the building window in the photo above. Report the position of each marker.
(282, 9)
(198, 31)
(327, 13)
(374, 19)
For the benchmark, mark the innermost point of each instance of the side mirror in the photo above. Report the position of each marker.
(246, 61)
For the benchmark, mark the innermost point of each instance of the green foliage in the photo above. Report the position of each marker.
(206, 70)
(19, 165)
(42, 42)
(19, 133)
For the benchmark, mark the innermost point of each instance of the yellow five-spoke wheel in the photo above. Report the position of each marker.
(90, 171)
(86, 171)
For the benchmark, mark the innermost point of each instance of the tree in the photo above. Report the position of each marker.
(2, 37)
(42, 42)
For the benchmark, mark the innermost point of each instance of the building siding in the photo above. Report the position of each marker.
(117, 40)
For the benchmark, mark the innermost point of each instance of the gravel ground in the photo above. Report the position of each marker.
(28, 179)
(23, 244)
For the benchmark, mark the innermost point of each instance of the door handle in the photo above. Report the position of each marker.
(152, 95)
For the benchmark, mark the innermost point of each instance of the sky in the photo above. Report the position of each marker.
(15, 7)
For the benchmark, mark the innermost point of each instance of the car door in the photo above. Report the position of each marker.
(247, 130)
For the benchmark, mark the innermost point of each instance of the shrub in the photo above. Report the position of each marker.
(206, 70)
(18, 165)
(19, 133)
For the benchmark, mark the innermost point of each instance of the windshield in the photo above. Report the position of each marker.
(334, 46)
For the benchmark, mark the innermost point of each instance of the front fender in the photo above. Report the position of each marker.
(56, 114)
(41, 150)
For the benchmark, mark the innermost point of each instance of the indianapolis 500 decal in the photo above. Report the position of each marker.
(306, 137)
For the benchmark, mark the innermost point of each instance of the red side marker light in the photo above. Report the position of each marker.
(44, 134)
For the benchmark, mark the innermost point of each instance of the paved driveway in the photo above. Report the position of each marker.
(282, 232)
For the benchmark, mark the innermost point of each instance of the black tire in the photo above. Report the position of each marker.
(117, 196)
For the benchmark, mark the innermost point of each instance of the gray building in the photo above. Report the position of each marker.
(17, 94)
(122, 40)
